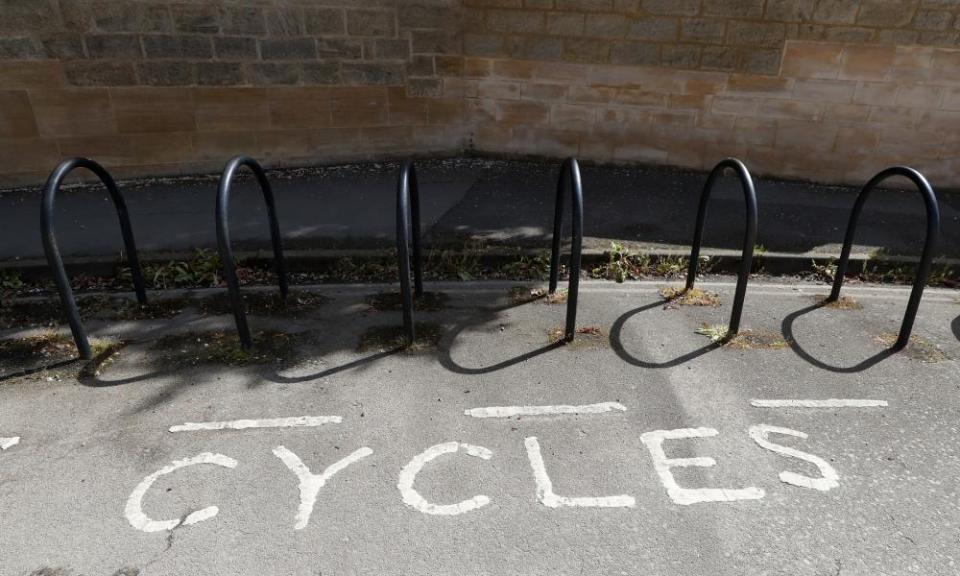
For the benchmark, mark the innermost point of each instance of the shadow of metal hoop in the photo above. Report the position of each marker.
(223, 240)
(408, 230)
(930, 244)
(55, 261)
(749, 235)
(569, 172)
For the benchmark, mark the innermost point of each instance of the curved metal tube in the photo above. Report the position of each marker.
(749, 235)
(52, 251)
(408, 209)
(223, 240)
(569, 172)
(930, 244)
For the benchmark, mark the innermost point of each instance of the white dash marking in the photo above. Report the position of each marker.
(686, 496)
(828, 403)
(550, 499)
(409, 473)
(310, 484)
(9, 442)
(508, 411)
(134, 508)
(830, 479)
(293, 422)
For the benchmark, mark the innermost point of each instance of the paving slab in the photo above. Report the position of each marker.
(664, 465)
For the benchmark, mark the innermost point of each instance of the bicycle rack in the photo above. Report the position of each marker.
(569, 171)
(223, 241)
(749, 236)
(923, 270)
(408, 212)
(52, 251)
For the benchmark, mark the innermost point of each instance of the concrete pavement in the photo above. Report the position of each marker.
(407, 482)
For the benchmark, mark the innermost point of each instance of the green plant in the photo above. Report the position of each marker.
(825, 272)
(456, 264)
(675, 266)
(528, 267)
(10, 280)
(621, 265)
(715, 332)
(201, 271)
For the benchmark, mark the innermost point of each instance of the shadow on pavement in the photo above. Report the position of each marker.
(955, 326)
(485, 315)
(616, 342)
(276, 377)
(38, 369)
(788, 334)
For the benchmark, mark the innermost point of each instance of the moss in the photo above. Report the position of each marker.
(50, 347)
(265, 303)
(119, 308)
(30, 313)
(585, 337)
(383, 338)
(558, 297)
(392, 301)
(49, 312)
(692, 297)
(744, 339)
(841, 303)
(54, 354)
(757, 340)
(917, 348)
(523, 294)
(220, 347)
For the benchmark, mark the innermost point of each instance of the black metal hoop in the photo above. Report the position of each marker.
(408, 216)
(749, 235)
(569, 172)
(52, 251)
(929, 245)
(223, 240)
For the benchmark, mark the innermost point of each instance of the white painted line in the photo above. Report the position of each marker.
(686, 496)
(9, 442)
(828, 403)
(134, 508)
(293, 422)
(830, 479)
(509, 411)
(414, 499)
(550, 499)
(311, 483)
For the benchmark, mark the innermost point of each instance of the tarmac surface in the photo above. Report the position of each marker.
(497, 201)
(667, 464)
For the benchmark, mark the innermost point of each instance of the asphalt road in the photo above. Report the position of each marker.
(496, 201)
(407, 479)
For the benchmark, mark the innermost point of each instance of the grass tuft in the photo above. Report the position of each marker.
(841, 303)
(917, 348)
(385, 338)
(693, 297)
(221, 347)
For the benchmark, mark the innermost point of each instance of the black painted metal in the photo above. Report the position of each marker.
(52, 251)
(749, 235)
(569, 172)
(223, 240)
(408, 216)
(929, 245)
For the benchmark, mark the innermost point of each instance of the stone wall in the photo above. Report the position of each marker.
(829, 90)
(161, 87)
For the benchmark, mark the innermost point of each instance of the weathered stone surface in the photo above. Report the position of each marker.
(525, 76)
